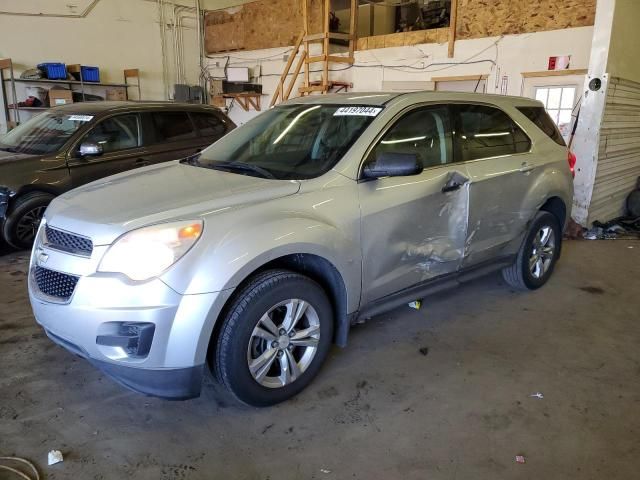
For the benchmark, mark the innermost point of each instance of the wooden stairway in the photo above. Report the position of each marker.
(301, 51)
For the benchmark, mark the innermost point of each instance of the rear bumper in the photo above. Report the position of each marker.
(168, 383)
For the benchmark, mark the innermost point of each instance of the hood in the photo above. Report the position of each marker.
(105, 209)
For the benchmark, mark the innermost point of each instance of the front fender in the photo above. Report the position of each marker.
(224, 264)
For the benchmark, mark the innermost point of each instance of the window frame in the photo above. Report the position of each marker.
(559, 109)
(157, 138)
(453, 108)
(193, 113)
(457, 128)
(73, 151)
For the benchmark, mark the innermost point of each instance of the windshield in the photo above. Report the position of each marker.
(43, 134)
(292, 142)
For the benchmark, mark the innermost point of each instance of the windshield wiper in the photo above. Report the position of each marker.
(240, 166)
(8, 149)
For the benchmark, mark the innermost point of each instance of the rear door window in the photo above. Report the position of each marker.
(209, 124)
(485, 132)
(172, 126)
(541, 118)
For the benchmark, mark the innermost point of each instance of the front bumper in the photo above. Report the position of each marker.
(169, 383)
(182, 325)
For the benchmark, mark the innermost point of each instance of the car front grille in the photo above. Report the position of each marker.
(55, 284)
(68, 242)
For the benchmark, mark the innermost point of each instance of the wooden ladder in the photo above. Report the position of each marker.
(301, 50)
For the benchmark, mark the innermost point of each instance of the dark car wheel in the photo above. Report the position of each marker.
(24, 218)
(274, 338)
(538, 254)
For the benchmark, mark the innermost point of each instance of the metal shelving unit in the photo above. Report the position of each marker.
(7, 65)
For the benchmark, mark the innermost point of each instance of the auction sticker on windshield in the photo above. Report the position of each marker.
(358, 111)
(80, 118)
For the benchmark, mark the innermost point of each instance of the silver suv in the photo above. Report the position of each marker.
(258, 254)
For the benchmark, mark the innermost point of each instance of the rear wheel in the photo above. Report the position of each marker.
(274, 339)
(22, 223)
(538, 254)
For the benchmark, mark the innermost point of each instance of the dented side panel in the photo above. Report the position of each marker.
(498, 212)
(411, 230)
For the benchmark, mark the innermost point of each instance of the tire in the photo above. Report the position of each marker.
(522, 275)
(245, 340)
(24, 218)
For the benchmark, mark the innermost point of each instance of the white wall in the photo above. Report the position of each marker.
(509, 56)
(116, 34)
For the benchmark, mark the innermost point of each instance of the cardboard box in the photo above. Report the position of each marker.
(116, 94)
(59, 97)
(219, 102)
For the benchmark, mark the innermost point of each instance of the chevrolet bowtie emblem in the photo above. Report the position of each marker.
(43, 257)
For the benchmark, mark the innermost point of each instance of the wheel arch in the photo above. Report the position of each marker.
(313, 266)
(556, 206)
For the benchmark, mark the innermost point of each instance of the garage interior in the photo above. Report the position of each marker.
(478, 382)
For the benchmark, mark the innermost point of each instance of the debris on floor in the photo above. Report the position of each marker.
(424, 351)
(416, 305)
(55, 456)
(537, 395)
(324, 470)
(618, 228)
(520, 459)
(12, 467)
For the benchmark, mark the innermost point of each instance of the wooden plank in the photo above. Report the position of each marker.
(353, 27)
(131, 73)
(315, 88)
(555, 73)
(336, 59)
(5, 63)
(305, 22)
(316, 59)
(460, 78)
(285, 73)
(326, 18)
(453, 25)
(296, 72)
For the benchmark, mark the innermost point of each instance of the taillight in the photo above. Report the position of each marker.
(572, 159)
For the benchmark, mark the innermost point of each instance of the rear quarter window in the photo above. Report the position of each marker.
(541, 118)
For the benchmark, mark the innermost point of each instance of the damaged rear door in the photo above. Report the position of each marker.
(414, 227)
(501, 169)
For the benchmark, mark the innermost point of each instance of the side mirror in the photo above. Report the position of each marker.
(389, 164)
(89, 149)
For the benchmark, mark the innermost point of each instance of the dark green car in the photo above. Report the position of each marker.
(75, 144)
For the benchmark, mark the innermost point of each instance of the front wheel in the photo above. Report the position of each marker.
(274, 338)
(22, 223)
(538, 254)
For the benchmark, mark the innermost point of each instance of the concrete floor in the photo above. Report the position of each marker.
(440, 393)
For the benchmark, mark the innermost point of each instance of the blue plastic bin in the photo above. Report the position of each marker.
(90, 74)
(54, 71)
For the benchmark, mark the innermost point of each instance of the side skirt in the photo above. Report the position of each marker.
(431, 287)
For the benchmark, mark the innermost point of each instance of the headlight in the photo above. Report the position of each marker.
(147, 252)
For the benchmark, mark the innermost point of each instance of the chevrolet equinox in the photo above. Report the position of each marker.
(256, 255)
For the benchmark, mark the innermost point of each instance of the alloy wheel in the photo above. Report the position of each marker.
(543, 250)
(27, 226)
(283, 343)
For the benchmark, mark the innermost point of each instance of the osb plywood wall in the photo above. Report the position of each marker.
(435, 35)
(488, 18)
(261, 24)
(277, 23)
